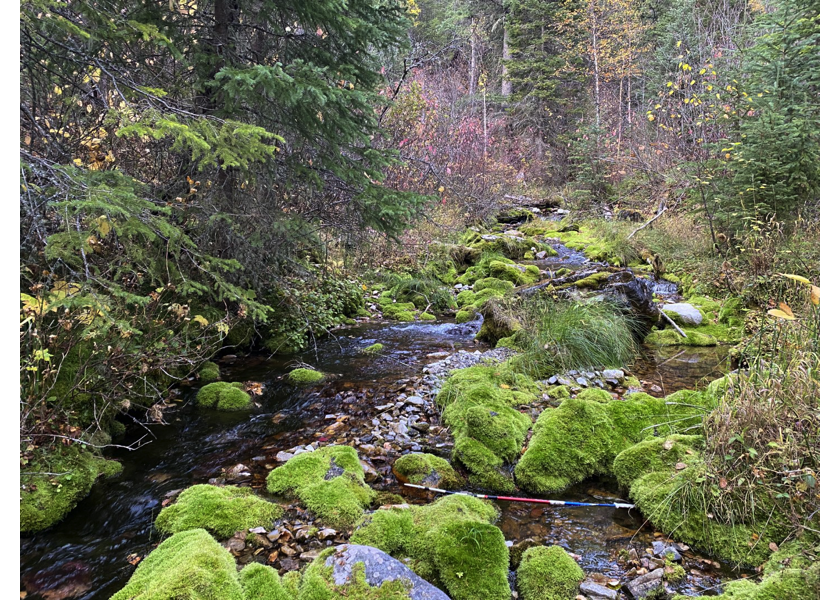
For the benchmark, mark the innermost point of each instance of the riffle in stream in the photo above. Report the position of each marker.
(90, 554)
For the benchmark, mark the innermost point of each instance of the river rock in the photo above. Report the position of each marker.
(639, 587)
(595, 591)
(616, 374)
(684, 314)
(661, 550)
(379, 567)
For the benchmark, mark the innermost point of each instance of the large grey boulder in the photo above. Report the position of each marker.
(379, 567)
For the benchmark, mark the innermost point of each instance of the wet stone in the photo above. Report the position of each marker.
(595, 591)
(273, 536)
(582, 382)
(415, 400)
(639, 587)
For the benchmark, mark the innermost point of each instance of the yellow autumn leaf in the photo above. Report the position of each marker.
(786, 309)
(815, 295)
(440, 189)
(775, 312)
(504, 386)
(797, 278)
(200, 320)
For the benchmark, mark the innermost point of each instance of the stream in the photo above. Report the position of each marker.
(90, 554)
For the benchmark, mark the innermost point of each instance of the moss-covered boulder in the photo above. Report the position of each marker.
(596, 395)
(373, 349)
(190, 564)
(46, 499)
(479, 407)
(209, 371)
(261, 582)
(722, 322)
(548, 573)
(465, 316)
(582, 437)
(361, 572)
(399, 311)
(220, 510)
(451, 543)
(493, 283)
(672, 486)
(516, 274)
(329, 481)
(303, 376)
(428, 470)
(224, 396)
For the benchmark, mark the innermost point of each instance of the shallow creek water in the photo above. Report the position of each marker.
(87, 555)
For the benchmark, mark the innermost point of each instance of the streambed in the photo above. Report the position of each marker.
(89, 554)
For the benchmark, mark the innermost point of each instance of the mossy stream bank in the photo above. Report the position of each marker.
(363, 394)
(381, 391)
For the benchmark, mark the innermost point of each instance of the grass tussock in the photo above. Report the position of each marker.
(558, 336)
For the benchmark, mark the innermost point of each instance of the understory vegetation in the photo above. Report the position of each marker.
(199, 180)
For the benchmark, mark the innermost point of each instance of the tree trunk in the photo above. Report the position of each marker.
(473, 56)
(507, 87)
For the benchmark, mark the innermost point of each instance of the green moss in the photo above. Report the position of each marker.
(317, 584)
(209, 372)
(511, 341)
(559, 392)
(450, 542)
(220, 510)
(655, 454)
(427, 317)
(386, 498)
(492, 283)
(397, 310)
(190, 564)
(802, 584)
(363, 312)
(670, 337)
(540, 227)
(465, 316)
(329, 482)
(373, 349)
(478, 406)
(304, 376)
(722, 323)
(593, 281)
(429, 470)
(46, 499)
(241, 335)
(515, 274)
(261, 582)
(596, 395)
(593, 247)
(582, 437)
(472, 561)
(223, 396)
(548, 573)
(673, 572)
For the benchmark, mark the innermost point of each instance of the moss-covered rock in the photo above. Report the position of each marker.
(426, 316)
(581, 437)
(465, 316)
(516, 274)
(451, 543)
(400, 311)
(330, 482)
(303, 376)
(596, 395)
(656, 454)
(592, 282)
(548, 573)
(594, 247)
(261, 582)
(493, 283)
(318, 584)
(428, 470)
(723, 322)
(223, 396)
(373, 349)
(209, 371)
(46, 499)
(478, 407)
(220, 510)
(190, 564)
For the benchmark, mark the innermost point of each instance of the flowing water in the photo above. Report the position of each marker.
(87, 555)
(90, 554)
